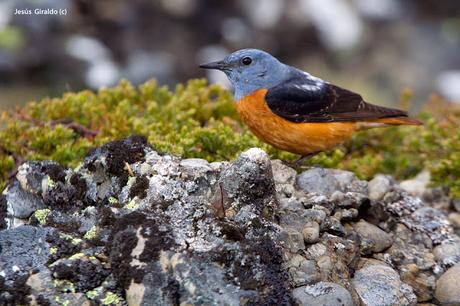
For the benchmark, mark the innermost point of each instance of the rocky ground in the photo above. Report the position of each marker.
(132, 226)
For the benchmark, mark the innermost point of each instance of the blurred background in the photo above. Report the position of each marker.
(376, 47)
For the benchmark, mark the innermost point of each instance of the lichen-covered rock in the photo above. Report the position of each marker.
(131, 225)
(323, 293)
(378, 284)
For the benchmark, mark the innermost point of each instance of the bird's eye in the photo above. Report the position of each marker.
(246, 60)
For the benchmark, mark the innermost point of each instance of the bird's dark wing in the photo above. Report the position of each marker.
(309, 101)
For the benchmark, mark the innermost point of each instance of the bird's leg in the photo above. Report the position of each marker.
(304, 158)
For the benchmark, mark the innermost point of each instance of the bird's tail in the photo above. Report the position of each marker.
(400, 121)
(383, 122)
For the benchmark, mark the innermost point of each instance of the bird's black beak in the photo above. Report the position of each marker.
(219, 65)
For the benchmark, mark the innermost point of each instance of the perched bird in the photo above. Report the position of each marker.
(294, 111)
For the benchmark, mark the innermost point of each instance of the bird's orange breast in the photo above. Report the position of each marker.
(299, 138)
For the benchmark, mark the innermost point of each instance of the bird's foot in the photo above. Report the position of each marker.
(302, 159)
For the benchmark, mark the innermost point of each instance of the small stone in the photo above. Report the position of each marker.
(448, 287)
(454, 218)
(316, 250)
(302, 271)
(373, 239)
(292, 239)
(378, 284)
(323, 293)
(20, 203)
(316, 215)
(327, 181)
(310, 232)
(379, 186)
(447, 253)
(417, 185)
(282, 174)
(456, 204)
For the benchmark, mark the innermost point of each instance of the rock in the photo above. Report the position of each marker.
(454, 219)
(448, 252)
(327, 181)
(23, 249)
(133, 226)
(448, 287)
(378, 284)
(282, 174)
(323, 293)
(417, 185)
(292, 240)
(432, 222)
(373, 239)
(302, 271)
(379, 186)
(310, 232)
(20, 203)
(249, 180)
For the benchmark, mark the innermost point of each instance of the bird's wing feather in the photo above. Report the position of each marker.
(303, 99)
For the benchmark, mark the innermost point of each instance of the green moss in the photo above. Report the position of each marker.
(113, 200)
(199, 120)
(41, 215)
(110, 299)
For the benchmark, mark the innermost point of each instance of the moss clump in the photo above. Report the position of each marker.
(199, 120)
(41, 215)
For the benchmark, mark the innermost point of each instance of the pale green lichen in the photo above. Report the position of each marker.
(131, 205)
(58, 300)
(92, 294)
(50, 183)
(113, 200)
(64, 285)
(41, 215)
(73, 240)
(110, 299)
(53, 250)
(91, 234)
(76, 256)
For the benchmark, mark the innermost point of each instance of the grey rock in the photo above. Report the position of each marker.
(302, 271)
(249, 180)
(327, 181)
(292, 240)
(310, 232)
(20, 203)
(379, 186)
(448, 252)
(282, 174)
(373, 239)
(431, 221)
(378, 284)
(323, 293)
(454, 219)
(23, 249)
(417, 185)
(448, 287)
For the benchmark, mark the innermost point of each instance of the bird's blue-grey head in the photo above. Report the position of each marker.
(251, 69)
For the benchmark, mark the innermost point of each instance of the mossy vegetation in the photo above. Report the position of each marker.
(199, 120)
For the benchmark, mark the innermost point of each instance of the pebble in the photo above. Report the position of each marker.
(323, 293)
(378, 187)
(310, 232)
(373, 239)
(376, 283)
(448, 287)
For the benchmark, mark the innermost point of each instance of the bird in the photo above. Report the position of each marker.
(295, 111)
